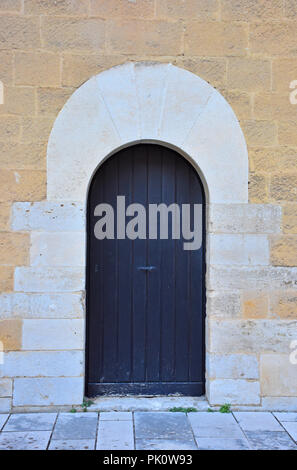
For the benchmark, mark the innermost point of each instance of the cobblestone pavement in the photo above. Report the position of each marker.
(148, 431)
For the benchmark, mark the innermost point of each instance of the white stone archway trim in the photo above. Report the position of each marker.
(147, 102)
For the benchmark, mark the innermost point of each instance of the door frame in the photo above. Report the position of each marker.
(88, 255)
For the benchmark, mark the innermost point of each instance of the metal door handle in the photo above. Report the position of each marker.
(146, 268)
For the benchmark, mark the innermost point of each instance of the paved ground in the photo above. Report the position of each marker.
(148, 431)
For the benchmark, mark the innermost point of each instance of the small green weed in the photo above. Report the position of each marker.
(226, 408)
(183, 410)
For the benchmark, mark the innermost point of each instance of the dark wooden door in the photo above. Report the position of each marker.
(145, 328)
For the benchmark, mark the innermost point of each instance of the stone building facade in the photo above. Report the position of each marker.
(209, 78)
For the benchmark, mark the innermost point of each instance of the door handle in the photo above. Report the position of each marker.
(146, 268)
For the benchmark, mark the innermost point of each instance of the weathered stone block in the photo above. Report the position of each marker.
(5, 387)
(43, 364)
(9, 130)
(258, 188)
(251, 336)
(22, 185)
(278, 376)
(49, 279)
(4, 217)
(6, 278)
(284, 187)
(19, 32)
(211, 69)
(235, 392)
(48, 334)
(284, 71)
(260, 133)
(37, 69)
(114, 8)
(11, 6)
(239, 249)
(11, 334)
(290, 218)
(48, 216)
(227, 39)
(144, 37)
(18, 100)
(51, 100)
(83, 34)
(274, 38)
(57, 249)
(284, 250)
(224, 304)
(63, 7)
(244, 218)
(252, 10)
(252, 277)
(255, 304)
(273, 159)
(232, 366)
(14, 248)
(203, 9)
(48, 391)
(283, 304)
(248, 74)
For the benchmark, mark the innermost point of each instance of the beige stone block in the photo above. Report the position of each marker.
(14, 248)
(77, 68)
(200, 9)
(284, 71)
(251, 336)
(274, 106)
(273, 159)
(144, 37)
(9, 128)
(36, 129)
(283, 187)
(248, 74)
(61, 7)
(11, 334)
(18, 100)
(278, 376)
(274, 39)
(6, 278)
(23, 156)
(234, 391)
(19, 32)
(290, 9)
(223, 304)
(283, 250)
(82, 34)
(37, 69)
(240, 102)
(4, 217)
(211, 69)
(255, 304)
(51, 100)
(6, 67)
(290, 218)
(22, 185)
(5, 388)
(283, 304)
(226, 39)
(122, 9)
(287, 134)
(258, 188)
(10, 5)
(260, 133)
(251, 10)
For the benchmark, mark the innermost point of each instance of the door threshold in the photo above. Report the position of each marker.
(145, 403)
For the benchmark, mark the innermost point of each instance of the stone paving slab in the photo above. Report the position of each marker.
(270, 440)
(31, 422)
(257, 421)
(165, 444)
(115, 416)
(76, 426)
(72, 444)
(215, 425)
(162, 425)
(33, 440)
(115, 435)
(283, 416)
(219, 443)
(3, 419)
(291, 428)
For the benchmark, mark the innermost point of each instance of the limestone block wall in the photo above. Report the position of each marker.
(246, 49)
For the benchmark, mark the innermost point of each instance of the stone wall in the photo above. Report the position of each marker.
(244, 48)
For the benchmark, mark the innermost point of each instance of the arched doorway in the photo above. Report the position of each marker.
(145, 296)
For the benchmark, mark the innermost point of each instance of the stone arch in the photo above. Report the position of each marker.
(147, 102)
